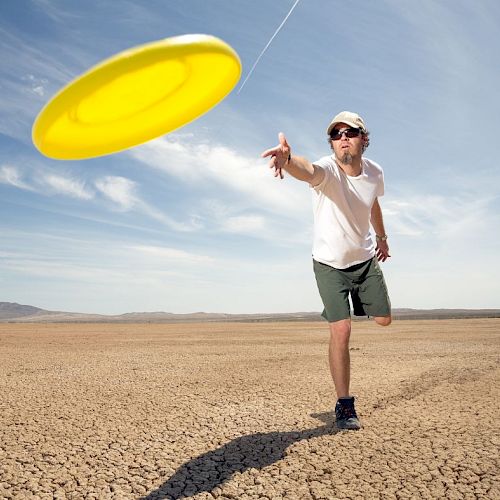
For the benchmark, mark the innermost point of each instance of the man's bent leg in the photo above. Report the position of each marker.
(340, 367)
(383, 320)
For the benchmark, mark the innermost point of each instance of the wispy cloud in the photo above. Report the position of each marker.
(12, 176)
(249, 224)
(45, 182)
(29, 75)
(36, 85)
(227, 219)
(197, 164)
(123, 193)
(171, 254)
(443, 217)
(52, 10)
(119, 190)
(67, 186)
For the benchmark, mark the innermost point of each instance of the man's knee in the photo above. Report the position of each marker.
(340, 331)
(383, 320)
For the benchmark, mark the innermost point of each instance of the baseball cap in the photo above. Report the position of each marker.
(349, 118)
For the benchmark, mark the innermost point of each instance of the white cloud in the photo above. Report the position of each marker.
(244, 224)
(119, 190)
(66, 186)
(171, 254)
(248, 177)
(234, 193)
(46, 183)
(39, 90)
(228, 219)
(192, 224)
(35, 84)
(438, 217)
(64, 271)
(122, 192)
(11, 175)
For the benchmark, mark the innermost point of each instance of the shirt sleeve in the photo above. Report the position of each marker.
(377, 176)
(325, 165)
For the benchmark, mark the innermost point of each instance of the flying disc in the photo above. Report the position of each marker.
(135, 96)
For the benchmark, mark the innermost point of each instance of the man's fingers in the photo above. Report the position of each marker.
(282, 147)
(277, 155)
(283, 141)
(269, 152)
(278, 172)
(382, 255)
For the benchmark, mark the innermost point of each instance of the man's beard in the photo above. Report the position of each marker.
(346, 159)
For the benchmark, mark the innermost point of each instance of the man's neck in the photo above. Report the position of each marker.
(353, 169)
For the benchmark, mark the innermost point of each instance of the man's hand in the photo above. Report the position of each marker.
(382, 250)
(278, 156)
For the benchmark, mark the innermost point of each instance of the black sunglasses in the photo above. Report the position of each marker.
(349, 132)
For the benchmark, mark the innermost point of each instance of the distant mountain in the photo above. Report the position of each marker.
(18, 313)
(10, 310)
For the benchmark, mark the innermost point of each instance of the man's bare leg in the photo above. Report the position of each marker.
(340, 368)
(339, 358)
(340, 364)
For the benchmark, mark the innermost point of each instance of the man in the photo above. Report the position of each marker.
(345, 187)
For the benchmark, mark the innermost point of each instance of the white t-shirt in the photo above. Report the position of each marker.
(342, 208)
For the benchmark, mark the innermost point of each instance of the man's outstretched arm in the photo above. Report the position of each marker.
(280, 158)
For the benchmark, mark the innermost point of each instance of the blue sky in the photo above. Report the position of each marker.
(195, 221)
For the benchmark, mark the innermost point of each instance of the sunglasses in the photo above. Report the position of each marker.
(349, 132)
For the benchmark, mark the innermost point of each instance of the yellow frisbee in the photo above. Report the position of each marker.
(135, 96)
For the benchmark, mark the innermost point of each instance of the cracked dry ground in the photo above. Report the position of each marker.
(243, 411)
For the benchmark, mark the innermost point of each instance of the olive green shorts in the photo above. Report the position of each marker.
(363, 282)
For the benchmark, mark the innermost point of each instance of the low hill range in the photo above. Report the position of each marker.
(19, 313)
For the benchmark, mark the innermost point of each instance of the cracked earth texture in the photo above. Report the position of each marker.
(243, 411)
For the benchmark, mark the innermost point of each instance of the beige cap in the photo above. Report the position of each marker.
(349, 118)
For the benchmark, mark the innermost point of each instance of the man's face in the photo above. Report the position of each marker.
(346, 148)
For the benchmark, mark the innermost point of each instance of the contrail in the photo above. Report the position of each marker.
(268, 43)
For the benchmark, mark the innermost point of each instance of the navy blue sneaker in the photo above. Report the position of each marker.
(345, 414)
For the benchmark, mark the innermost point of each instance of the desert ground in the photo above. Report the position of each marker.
(244, 411)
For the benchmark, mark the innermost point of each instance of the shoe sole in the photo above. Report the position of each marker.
(352, 426)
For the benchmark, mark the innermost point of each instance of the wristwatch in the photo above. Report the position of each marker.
(381, 238)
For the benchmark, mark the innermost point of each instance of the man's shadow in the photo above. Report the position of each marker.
(213, 468)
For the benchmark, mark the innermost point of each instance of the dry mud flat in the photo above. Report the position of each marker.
(244, 411)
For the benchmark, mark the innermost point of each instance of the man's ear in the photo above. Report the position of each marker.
(366, 141)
